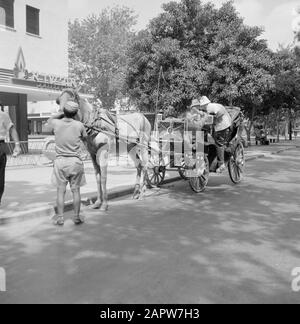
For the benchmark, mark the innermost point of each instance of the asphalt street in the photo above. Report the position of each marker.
(230, 244)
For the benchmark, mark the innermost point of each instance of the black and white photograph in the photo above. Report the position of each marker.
(149, 154)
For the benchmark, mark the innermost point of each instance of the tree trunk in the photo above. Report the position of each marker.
(290, 126)
(248, 130)
(278, 126)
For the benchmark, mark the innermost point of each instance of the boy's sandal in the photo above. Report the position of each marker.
(59, 221)
(78, 220)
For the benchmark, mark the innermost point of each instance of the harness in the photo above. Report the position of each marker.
(94, 126)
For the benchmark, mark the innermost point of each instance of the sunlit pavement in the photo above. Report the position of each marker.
(230, 244)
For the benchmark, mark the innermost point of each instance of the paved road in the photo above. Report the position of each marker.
(231, 244)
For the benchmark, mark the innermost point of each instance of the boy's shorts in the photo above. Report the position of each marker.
(68, 170)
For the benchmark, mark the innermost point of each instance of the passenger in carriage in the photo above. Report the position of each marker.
(222, 125)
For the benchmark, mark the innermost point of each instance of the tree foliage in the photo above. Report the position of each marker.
(203, 51)
(98, 48)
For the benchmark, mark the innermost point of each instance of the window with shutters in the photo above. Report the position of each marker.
(32, 20)
(7, 13)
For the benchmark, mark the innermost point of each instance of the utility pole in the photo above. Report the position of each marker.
(158, 89)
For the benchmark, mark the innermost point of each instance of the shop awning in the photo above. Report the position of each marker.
(35, 94)
(47, 88)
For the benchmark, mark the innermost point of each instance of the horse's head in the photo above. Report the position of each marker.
(67, 95)
(85, 108)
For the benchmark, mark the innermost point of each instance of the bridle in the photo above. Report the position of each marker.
(95, 126)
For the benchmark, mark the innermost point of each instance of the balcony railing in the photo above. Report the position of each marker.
(36, 153)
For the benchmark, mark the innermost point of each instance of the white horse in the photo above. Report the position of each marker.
(133, 131)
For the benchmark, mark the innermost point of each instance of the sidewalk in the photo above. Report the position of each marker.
(29, 192)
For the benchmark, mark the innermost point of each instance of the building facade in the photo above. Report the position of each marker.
(33, 56)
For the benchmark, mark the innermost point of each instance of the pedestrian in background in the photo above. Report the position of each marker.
(6, 127)
(68, 166)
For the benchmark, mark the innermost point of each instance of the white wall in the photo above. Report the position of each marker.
(47, 53)
(42, 107)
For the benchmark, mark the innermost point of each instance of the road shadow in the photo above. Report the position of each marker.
(230, 244)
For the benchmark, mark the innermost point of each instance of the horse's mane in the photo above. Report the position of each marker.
(73, 93)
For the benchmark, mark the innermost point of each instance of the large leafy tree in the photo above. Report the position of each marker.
(287, 84)
(202, 51)
(280, 103)
(98, 47)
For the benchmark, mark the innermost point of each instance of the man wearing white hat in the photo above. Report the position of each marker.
(222, 124)
(68, 166)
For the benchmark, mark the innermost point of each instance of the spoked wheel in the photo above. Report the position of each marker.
(198, 184)
(236, 165)
(155, 174)
(182, 171)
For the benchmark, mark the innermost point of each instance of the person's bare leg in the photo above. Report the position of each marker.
(77, 206)
(61, 192)
(76, 201)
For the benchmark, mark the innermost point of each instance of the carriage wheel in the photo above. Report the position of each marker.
(182, 171)
(199, 184)
(236, 165)
(155, 175)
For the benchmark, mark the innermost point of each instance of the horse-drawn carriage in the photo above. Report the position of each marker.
(188, 147)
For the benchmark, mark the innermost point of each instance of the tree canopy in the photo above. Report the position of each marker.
(98, 48)
(202, 51)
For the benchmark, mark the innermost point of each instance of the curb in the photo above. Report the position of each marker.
(49, 211)
(255, 157)
(114, 194)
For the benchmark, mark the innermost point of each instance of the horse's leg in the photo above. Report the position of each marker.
(102, 158)
(138, 164)
(144, 157)
(98, 202)
(141, 160)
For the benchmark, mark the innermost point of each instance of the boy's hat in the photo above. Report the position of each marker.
(204, 101)
(71, 107)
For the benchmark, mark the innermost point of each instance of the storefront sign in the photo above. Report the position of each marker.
(37, 79)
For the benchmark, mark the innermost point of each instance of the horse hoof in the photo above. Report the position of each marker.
(104, 208)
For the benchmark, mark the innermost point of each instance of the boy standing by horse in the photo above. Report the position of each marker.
(68, 167)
